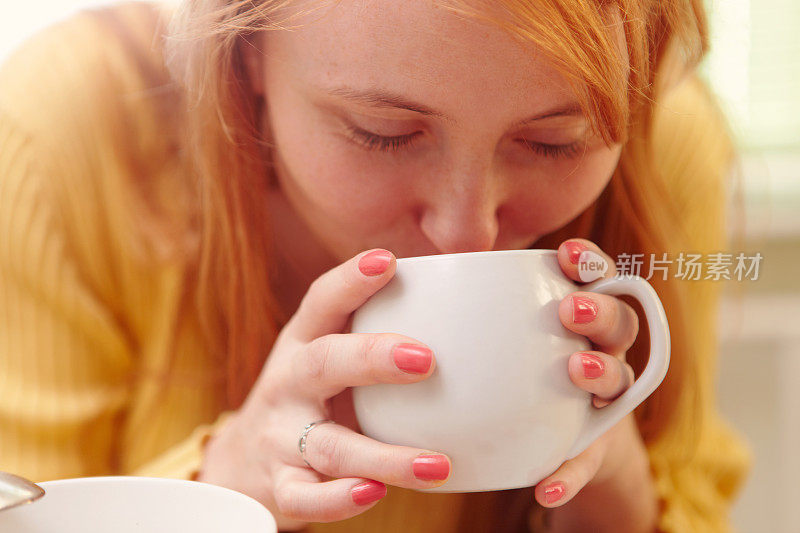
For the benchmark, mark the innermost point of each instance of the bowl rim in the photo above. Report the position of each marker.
(109, 481)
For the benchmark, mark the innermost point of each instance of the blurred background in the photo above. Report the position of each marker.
(754, 68)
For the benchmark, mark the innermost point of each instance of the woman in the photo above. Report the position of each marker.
(191, 213)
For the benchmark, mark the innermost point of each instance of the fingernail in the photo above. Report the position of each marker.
(584, 310)
(431, 467)
(412, 358)
(592, 366)
(574, 250)
(554, 492)
(368, 492)
(375, 262)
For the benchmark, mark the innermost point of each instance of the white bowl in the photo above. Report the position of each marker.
(130, 504)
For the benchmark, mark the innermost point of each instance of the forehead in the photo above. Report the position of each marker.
(417, 48)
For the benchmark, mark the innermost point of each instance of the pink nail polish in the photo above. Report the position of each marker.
(592, 366)
(584, 310)
(375, 262)
(412, 358)
(368, 492)
(431, 467)
(574, 250)
(554, 492)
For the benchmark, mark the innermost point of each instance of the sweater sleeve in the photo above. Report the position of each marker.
(69, 352)
(698, 468)
(64, 356)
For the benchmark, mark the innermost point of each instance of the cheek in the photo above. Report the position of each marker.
(561, 192)
(342, 187)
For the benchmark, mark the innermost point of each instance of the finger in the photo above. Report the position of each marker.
(329, 364)
(332, 297)
(337, 451)
(607, 321)
(561, 486)
(591, 268)
(605, 376)
(300, 496)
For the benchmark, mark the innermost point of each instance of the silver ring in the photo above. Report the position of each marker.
(302, 443)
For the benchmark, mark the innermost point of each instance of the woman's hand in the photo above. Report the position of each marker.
(308, 373)
(611, 325)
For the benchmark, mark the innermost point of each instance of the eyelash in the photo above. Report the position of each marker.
(552, 150)
(371, 141)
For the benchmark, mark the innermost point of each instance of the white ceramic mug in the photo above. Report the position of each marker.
(130, 504)
(500, 402)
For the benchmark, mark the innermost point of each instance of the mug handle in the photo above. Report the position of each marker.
(602, 419)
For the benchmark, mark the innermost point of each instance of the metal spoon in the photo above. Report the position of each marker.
(15, 490)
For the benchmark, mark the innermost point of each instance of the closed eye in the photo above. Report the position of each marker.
(372, 141)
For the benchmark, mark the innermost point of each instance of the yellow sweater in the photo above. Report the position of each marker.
(87, 328)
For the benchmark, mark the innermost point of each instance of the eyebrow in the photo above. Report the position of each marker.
(384, 98)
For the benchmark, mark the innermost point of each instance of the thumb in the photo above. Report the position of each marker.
(331, 299)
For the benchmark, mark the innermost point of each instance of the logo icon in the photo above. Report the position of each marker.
(591, 266)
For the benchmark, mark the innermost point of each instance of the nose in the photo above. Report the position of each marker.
(460, 211)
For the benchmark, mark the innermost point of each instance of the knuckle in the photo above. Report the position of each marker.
(307, 301)
(623, 380)
(583, 472)
(311, 299)
(387, 463)
(290, 508)
(370, 345)
(286, 504)
(328, 453)
(319, 358)
(630, 377)
(264, 438)
(608, 313)
(629, 324)
(592, 466)
(586, 466)
(620, 330)
(633, 319)
(279, 373)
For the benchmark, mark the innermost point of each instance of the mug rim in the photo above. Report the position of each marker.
(523, 251)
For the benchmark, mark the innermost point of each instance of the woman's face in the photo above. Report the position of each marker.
(403, 126)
